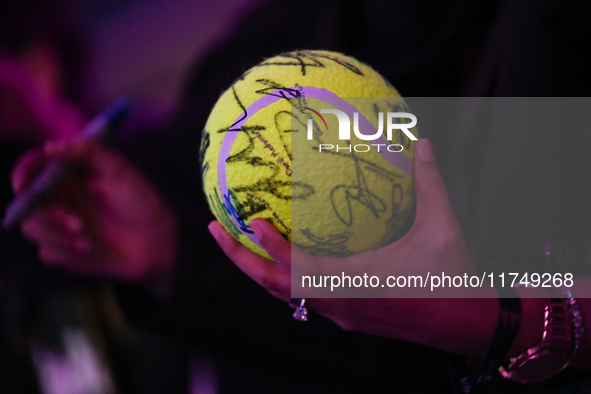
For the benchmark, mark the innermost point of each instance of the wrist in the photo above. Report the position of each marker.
(466, 325)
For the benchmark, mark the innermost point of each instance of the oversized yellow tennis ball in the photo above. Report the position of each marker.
(356, 196)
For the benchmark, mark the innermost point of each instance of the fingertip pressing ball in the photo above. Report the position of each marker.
(338, 202)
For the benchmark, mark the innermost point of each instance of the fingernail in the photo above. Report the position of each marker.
(257, 230)
(425, 150)
(213, 231)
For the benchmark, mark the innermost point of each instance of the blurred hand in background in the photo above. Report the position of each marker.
(106, 221)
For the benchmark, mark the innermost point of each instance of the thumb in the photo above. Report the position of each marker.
(281, 250)
(273, 242)
(432, 199)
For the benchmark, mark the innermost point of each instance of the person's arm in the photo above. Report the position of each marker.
(457, 325)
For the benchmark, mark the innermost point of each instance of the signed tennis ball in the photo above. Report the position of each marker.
(355, 196)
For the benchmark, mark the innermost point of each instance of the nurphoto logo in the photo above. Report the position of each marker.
(345, 129)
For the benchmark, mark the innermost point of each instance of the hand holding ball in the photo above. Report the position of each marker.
(272, 148)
